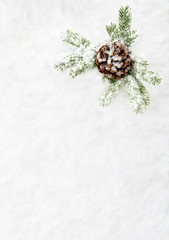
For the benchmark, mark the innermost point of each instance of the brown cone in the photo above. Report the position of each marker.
(114, 60)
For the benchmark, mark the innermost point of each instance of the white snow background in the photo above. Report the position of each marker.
(70, 169)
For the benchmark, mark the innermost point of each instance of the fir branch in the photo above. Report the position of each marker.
(112, 31)
(68, 61)
(130, 37)
(141, 71)
(88, 61)
(110, 91)
(81, 60)
(123, 32)
(74, 39)
(137, 94)
(125, 18)
(78, 69)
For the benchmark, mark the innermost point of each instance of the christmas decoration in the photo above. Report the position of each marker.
(114, 61)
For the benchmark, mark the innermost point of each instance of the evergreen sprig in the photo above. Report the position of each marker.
(69, 61)
(123, 31)
(125, 19)
(112, 31)
(137, 94)
(74, 39)
(141, 71)
(83, 58)
(110, 91)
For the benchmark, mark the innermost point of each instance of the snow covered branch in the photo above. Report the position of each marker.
(123, 31)
(82, 59)
(141, 72)
(137, 94)
(110, 91)
(74, 39)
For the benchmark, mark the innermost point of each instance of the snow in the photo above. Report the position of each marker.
(110, 53)
(102, 60)
(98, 55)
(109, 75)
(89, 54)
(70, 169)
(102, 66)
(116, 58)
(113, 68)
(109, 60)
(117, 64)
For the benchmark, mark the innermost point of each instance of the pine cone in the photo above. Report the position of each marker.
(114, 60)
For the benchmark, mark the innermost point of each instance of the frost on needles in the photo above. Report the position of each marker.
(84, 57)
(123, 31)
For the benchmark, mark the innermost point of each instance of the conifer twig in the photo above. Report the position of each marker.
(110, 91)
(137, 94)
(74, 39)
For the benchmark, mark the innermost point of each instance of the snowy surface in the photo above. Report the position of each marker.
(70, 169)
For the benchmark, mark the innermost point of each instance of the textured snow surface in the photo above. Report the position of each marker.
(70, 169)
